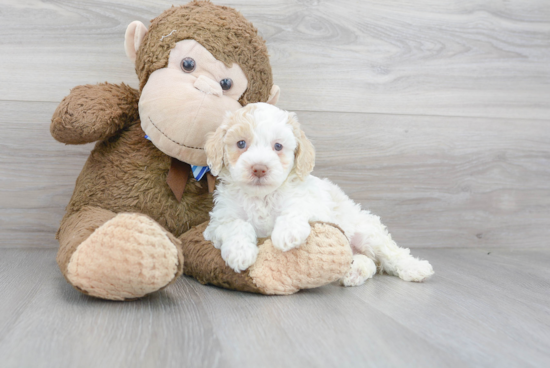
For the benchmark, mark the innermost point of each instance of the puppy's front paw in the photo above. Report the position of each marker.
(239, 255)
(412, 269)
(210, 235)
(362, 268)
(289, 234)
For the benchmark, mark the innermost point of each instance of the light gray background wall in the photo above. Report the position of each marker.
(433, 115)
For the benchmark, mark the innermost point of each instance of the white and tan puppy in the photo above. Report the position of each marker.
(264, 161)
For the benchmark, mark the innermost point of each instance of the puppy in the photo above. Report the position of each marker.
(264, 161)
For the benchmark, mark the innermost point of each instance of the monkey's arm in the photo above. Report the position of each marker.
(94, 112)
(325, 257)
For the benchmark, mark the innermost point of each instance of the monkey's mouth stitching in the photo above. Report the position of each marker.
(178, 143)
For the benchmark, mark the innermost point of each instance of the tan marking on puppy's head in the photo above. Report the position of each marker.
(221, 146)
(304, 161)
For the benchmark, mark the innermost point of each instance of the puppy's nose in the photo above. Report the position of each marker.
(259, 170)
(208, 86)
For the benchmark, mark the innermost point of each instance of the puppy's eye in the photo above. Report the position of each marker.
(188, 65)
(226, 83)
(241, 144)
(278, 146)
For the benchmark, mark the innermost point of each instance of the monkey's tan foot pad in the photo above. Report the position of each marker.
(324, 258)
(127, 257)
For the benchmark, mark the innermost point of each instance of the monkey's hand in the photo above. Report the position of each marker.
(94, 112)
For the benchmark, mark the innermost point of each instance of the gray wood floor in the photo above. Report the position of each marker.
(484, 308)
(433, 114)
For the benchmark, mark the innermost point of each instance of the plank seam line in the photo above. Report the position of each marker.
(426, 115)
(364, 113)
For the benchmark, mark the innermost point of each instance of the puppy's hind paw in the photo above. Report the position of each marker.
(239, 255)
(362, 268)
(416, 270)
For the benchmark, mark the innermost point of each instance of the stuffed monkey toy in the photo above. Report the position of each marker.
(135, 220)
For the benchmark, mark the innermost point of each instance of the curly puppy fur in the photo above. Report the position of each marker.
(264, 162)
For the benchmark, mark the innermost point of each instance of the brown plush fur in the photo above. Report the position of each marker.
(77, 228)
(206, 264)
(94, 113)
(126, 173)
(324, 258)
(221, 30)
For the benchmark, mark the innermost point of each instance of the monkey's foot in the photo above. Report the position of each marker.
(127, 257)
(324, 258)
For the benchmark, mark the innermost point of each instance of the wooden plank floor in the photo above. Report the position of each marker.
(483, 308)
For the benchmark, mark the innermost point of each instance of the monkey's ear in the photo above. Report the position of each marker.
(132, 40)
(214, 150)
(274, 95)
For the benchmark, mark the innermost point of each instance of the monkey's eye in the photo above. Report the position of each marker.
(188, 65)
(241, 144)
(226, 83)
(278, 146)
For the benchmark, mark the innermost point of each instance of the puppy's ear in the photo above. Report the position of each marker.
(214, 149)
(305, 152)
